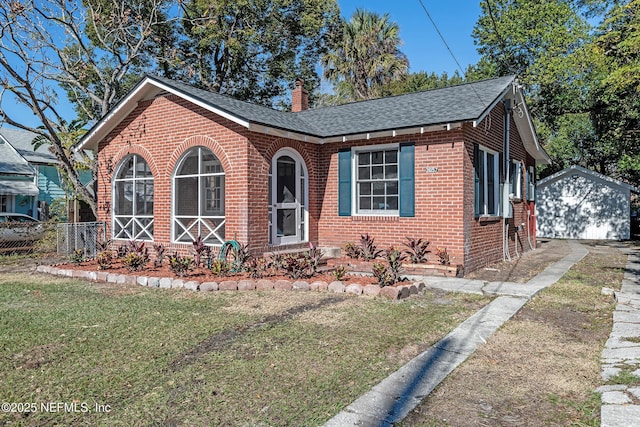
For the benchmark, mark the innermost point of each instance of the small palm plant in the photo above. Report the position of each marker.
(417, 250)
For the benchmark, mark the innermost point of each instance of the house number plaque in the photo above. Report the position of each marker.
(432, 169)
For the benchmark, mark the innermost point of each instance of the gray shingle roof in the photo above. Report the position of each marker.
(12, 163)
(460, 103)
(21, 140)
(247, 111)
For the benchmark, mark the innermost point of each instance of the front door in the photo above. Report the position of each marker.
(288, 192)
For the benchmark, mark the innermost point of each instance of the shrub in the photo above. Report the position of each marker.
(390, 273)
(352, 251)
(136, 256)
(241, 259)
(257, 268)
(159, 250)
(381, 273)
(220, 267)
(199, 249)
(135, 261)
(314, 257)
(340, 272)
(443, 256)
(180, 265)
(296, 266)
(277, 261)
(138, 248)
(417, 250)
(77, 256)
(368, 249)
(104, 260)
(104, 245)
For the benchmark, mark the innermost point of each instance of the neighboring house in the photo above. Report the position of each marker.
(18, 191)
(176, 162)
(47, 175)
(577, 203)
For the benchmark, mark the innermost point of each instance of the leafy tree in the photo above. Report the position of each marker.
(570, 142)
(365, 57)
(552, 57)
(540, 41)
(421, 81)
(253, 49)
(583, 84)
(89, 49)
(616, 98)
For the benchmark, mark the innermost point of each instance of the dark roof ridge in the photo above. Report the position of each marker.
(419, 92)
(170, 81)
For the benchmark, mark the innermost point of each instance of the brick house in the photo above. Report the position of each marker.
(176, 162)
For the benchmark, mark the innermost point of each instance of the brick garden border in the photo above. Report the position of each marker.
(389, 292)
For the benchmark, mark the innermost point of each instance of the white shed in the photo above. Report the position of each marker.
(577, 203)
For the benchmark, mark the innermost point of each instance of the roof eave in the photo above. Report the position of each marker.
(526, 129)
(147, 88)
(507, 90)
(573, 169)
(315, 139)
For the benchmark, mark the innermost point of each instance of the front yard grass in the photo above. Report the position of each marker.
(175, 357)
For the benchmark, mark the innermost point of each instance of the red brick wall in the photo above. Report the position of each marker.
(484, 237)
(163, 129)
(438, 197)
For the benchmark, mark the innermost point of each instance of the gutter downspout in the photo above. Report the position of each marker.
(505, 165)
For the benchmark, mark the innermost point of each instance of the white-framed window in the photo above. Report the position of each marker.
(487, 182)
(198, 198)
(376, 180)
(531, 183)
(133, 200)
(515, 178)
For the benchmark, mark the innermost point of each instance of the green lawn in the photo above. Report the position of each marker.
(175, 357)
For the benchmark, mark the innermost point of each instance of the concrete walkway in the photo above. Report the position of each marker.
(622, 351)
(394, 397)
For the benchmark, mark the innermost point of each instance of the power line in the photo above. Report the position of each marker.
(448, 48)
(442, 37)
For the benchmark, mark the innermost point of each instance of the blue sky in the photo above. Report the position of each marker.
(422, 45)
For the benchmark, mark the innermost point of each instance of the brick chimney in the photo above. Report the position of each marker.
(299, 97)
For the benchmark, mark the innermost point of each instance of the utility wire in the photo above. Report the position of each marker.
(442, 37)
(448, 48)
(503, 45)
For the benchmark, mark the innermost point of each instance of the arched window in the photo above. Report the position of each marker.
(133, 200)
(198, 198)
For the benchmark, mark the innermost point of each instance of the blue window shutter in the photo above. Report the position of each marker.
(476, 180)
(344, 182)
(407, 180)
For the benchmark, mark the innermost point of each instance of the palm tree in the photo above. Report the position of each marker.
(365, 57)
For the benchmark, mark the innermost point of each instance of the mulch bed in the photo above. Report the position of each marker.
(202, 275)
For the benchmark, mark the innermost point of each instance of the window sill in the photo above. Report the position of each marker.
(488, 219)
(386, 218)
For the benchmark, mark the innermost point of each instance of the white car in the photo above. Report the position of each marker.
(18, 231)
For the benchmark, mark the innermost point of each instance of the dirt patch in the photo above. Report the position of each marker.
(36, 356)
(527, 266)
(28, 263)
(224, 338)
(542, 366)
